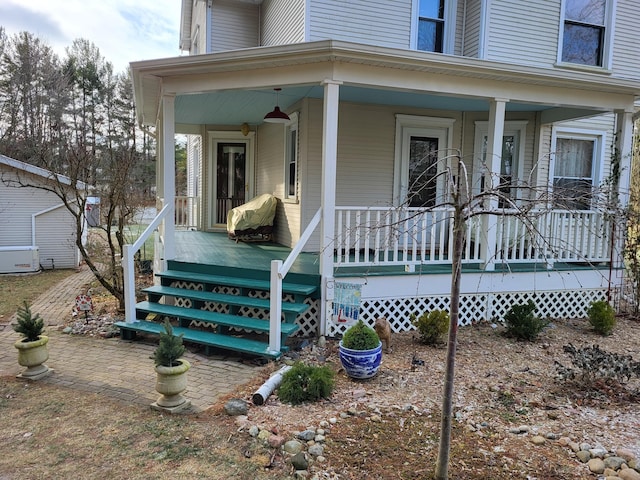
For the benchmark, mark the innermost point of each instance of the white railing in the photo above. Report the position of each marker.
(554, 235)
(128, 254)
(379, 236)
(187, 212)
(279, 270)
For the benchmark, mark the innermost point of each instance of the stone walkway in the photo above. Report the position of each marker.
(112, 367)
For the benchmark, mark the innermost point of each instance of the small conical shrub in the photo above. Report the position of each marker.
(29, 325)
(170, 348)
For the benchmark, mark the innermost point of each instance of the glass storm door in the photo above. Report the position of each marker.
(231, 178)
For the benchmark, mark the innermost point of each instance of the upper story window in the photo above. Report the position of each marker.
(585, 33)
(434, 30)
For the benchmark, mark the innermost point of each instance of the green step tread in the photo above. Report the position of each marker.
(261, 303)
(205, 338)
(248, 323)
(295, 288)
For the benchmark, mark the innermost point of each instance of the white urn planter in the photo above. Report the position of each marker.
(33, 355)
(170, 383)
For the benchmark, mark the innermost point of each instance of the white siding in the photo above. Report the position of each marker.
(271, 180)
(626, 56)
(374, 22)
(234, 25)
(282, 22)
(523, 32)
(55, 230)
(56, 240)
(472, 22)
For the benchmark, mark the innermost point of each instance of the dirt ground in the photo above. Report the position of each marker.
(392, 430)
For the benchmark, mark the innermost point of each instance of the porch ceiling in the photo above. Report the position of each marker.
(250, 106)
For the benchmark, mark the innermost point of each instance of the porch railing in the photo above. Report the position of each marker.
(187, 212)
(380, 236)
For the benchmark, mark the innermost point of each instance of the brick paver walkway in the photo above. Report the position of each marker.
(112, 367)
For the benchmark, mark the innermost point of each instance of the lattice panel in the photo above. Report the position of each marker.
(474, 308)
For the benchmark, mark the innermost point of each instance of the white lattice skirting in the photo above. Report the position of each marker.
(476, 307)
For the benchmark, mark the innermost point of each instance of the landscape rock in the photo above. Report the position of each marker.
(299, 461)
(306, 435)
(613, 463)
(629, 474)
(235, 407)
(596, 465)
(583, 456)
(293, 447)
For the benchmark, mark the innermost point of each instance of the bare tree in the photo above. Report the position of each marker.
(76, 119)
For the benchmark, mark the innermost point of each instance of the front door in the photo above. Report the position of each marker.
(231, 178)
(230, 175)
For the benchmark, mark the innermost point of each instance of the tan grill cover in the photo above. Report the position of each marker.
(254, 214)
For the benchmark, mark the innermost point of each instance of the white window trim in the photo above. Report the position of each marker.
(288, 128)
(607, 48)
(406, 126)
(518, 127)
(449, 34)
(600, 139)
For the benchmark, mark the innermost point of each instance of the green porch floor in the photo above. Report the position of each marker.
(217, 249)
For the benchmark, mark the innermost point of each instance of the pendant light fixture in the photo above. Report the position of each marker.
(276, 116)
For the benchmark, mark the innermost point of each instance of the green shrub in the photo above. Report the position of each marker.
(522, 323)
(431, 325)
(170, 348)
(306, 383)
(602, 317)
(360, 337)
(30, 326)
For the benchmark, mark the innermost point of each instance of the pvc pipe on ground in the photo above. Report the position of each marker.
(269, 386)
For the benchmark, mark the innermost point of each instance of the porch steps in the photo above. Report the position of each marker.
(208, 339)
(184, 292)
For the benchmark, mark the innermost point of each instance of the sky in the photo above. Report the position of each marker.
(123, 30)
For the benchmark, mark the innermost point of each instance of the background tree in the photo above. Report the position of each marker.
(76, 117)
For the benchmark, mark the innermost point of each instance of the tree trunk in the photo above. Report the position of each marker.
(459, 229)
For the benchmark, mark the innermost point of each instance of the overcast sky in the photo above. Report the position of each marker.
(123, 30)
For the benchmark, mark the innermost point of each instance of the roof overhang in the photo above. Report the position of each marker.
(300, 68)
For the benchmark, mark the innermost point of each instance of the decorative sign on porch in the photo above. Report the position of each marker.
(346, 303)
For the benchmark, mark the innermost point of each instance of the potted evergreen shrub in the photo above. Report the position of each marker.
(32, 349)
(171, 372)
(360, 351)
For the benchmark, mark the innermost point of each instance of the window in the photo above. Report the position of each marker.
(433, 26)
(575, 169)
(584, 36)
(423, 144)
(513, 142)
(291, 158)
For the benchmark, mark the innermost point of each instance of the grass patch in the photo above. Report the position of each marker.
(15, 289)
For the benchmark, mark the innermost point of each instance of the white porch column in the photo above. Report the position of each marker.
(168, 173)
(624, 147)
(328, 198)
(493, 162)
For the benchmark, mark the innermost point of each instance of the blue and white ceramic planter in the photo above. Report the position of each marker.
(361, 364)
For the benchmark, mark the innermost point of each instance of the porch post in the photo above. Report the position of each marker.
(493, 162)
(624, 147)
(327, 228)
(168, 173)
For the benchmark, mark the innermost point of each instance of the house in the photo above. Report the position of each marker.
(37, 231)
(355, 116)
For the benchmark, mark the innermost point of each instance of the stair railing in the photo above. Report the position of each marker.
(128, 271)
(279, 270)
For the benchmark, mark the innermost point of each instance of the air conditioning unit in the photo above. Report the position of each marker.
(19, 259)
